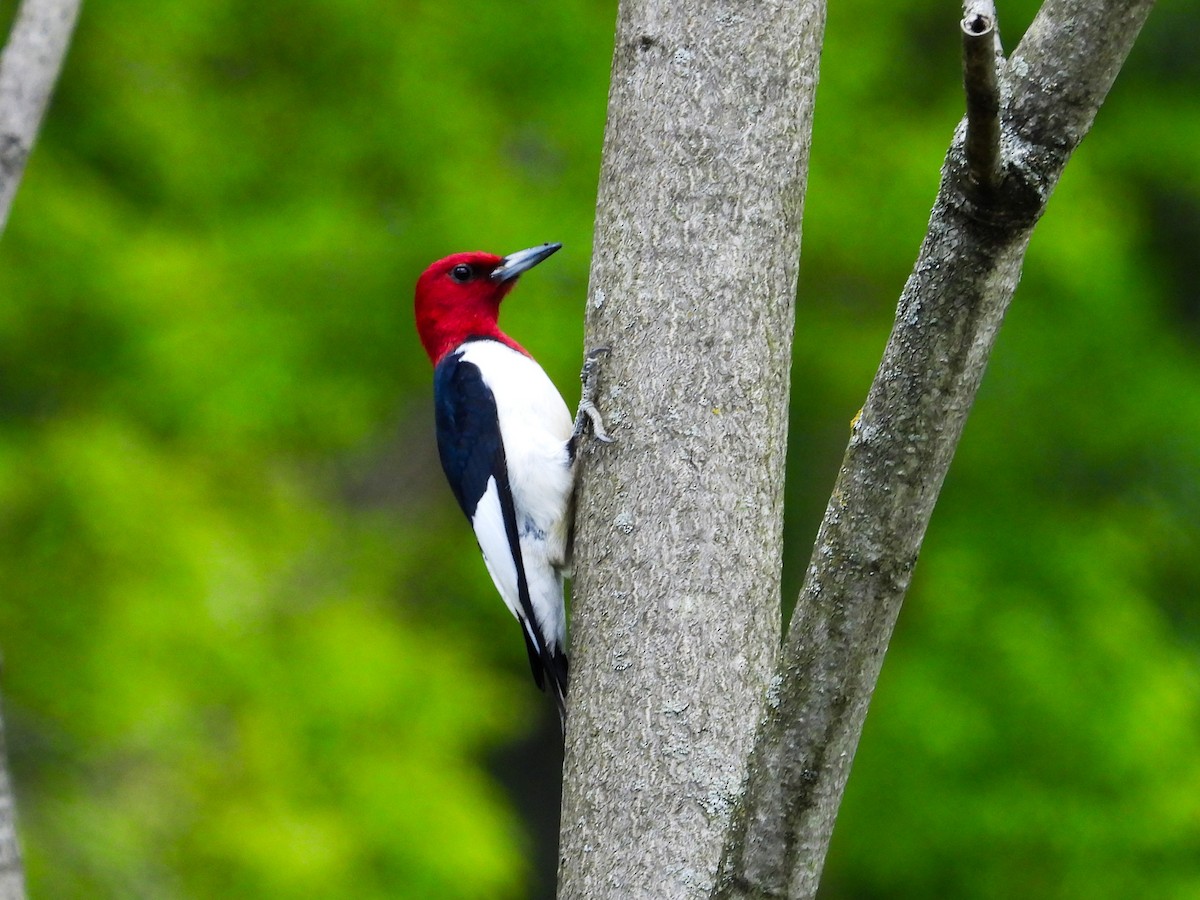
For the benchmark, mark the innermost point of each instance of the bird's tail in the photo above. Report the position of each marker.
(557, 673)
(548, 664)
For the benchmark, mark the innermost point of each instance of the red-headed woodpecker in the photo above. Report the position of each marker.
(507, 444)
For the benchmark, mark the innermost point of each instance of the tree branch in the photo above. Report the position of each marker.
(903, 441)
(29, 67)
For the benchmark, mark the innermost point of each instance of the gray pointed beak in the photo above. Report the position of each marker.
(516, 263)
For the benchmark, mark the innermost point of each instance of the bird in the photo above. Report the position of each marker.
(508, 444)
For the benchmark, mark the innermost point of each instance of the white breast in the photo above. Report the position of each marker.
(534, 424)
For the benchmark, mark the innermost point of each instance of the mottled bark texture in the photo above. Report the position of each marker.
(676, 619)
(29, 66)
(902, 443)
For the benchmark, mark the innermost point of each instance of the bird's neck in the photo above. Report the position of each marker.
(438, 343)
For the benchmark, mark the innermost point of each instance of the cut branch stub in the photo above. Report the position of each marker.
(980, 49)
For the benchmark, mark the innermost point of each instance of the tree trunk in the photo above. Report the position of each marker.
(676, 618)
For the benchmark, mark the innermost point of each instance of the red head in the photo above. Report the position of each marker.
(459, 297)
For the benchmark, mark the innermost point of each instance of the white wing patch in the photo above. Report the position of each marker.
(493, 541)
(497, 557)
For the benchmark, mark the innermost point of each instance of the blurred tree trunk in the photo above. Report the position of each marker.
(29, 66)
(12, 873)
(686, 776)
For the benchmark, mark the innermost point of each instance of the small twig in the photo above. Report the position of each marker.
(980, 49)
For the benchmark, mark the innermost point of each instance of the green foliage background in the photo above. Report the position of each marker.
(249, 650)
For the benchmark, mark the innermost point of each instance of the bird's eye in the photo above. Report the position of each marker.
(462, 273)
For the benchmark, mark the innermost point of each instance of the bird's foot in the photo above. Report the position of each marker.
(589, 377)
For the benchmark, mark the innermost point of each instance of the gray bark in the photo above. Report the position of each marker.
(29, 66)
(902, 443)
(676, 618)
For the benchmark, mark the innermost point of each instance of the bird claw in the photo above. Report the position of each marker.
(588, 409)
(588, 413)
